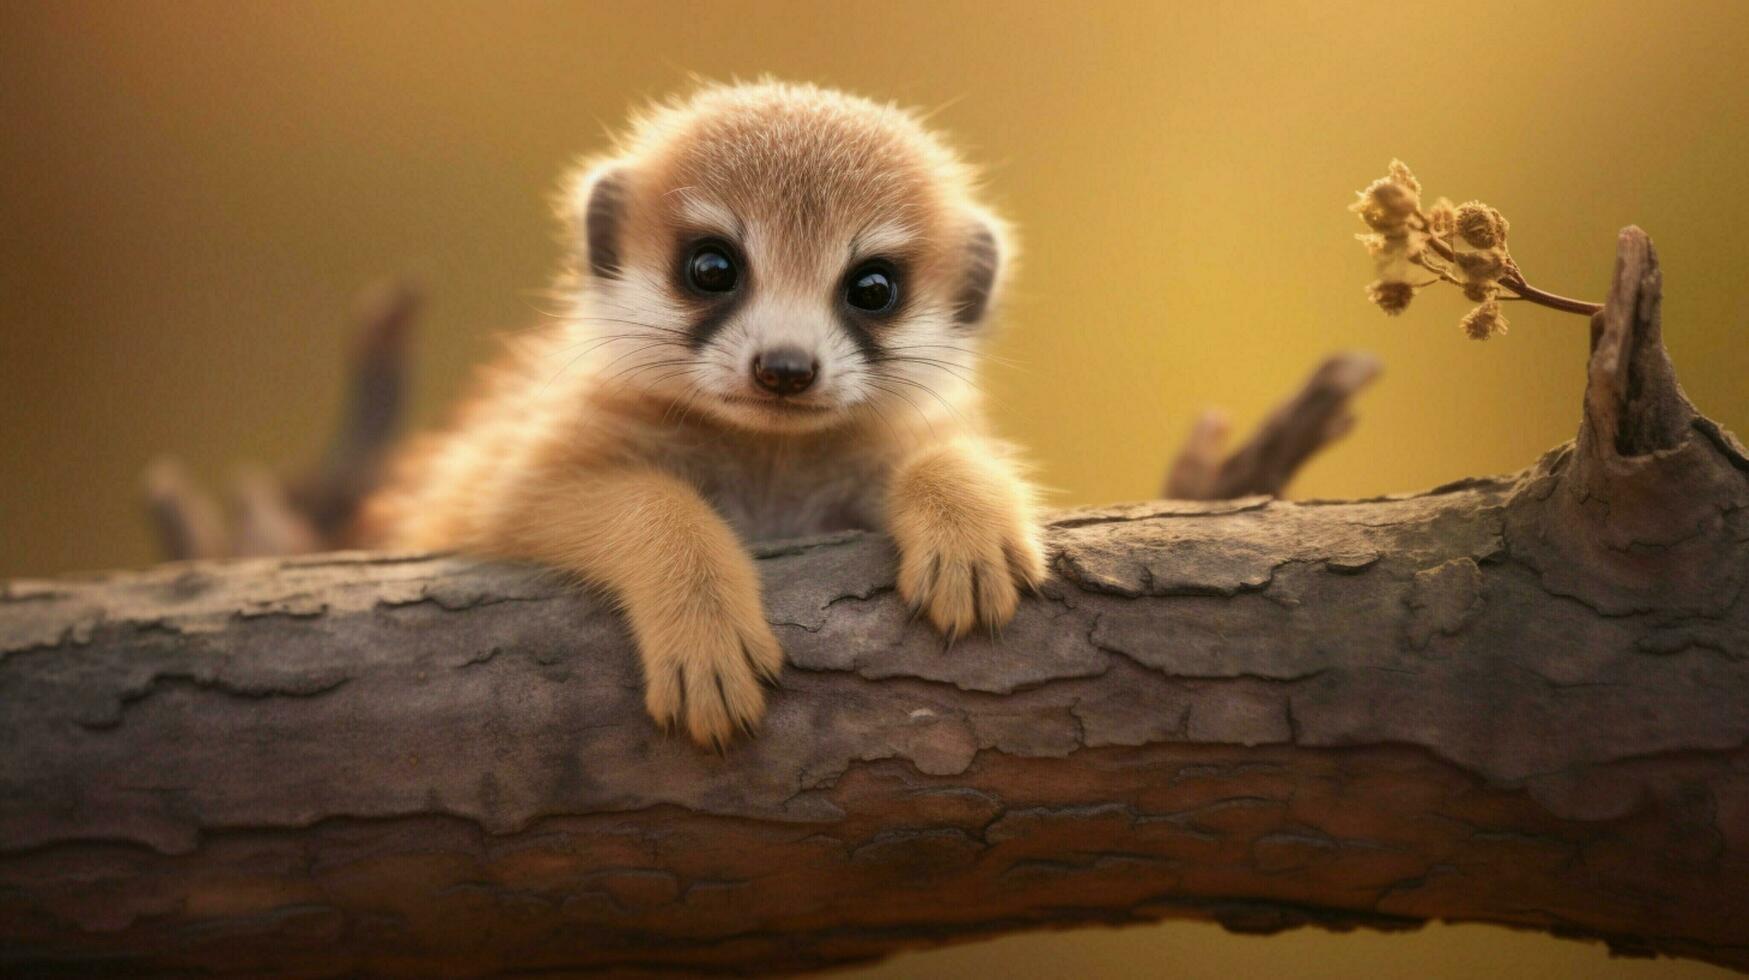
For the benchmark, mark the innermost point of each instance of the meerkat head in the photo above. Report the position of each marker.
(782, 256)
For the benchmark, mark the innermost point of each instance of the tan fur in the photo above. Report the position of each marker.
(605, 447)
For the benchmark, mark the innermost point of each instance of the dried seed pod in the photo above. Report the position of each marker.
(1392, 297)
(1484, 321)
(1480, 225)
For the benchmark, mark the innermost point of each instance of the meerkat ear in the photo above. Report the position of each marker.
(596, 209)
(983, 264)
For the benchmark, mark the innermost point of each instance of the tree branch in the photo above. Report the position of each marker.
(1516, 700)
(274, 515)
(1298, 429)
(1514, 281)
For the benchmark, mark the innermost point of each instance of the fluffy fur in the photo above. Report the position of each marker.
(629, 445)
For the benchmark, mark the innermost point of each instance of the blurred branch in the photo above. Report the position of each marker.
(271, 515)
(353, 465)
(189, 521)
(1312, 419)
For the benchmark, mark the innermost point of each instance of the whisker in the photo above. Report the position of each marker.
(980, 355)
(874, 407)
(690, 398)
(599, 341)
(959, 371)
(629, 372)
(632, 353)
(927, 390)
(681, 372)
(915, 409)
(573, 361)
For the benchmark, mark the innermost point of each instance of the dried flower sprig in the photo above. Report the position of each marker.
(1463, 244)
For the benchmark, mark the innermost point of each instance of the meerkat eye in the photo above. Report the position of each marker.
(711, 269)
(872, 288)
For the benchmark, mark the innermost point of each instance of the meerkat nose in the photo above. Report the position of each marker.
(785, 370)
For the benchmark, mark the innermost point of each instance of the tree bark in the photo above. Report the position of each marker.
(1519, 700)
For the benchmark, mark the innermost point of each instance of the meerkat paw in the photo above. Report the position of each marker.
(965, 574)
(706, 673)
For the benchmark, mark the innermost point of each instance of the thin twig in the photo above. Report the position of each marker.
(1514, 280)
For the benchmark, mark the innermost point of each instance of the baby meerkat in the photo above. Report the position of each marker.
(771, 329)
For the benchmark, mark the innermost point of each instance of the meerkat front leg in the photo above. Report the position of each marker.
(968, 537)
(687, 585)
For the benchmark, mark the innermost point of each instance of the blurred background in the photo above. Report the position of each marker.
(191, 194)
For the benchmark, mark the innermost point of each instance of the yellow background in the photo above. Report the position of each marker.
(190, 193)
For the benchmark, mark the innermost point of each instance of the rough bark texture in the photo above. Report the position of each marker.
(1521, 700)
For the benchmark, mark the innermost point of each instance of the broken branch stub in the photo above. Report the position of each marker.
(1316, 416)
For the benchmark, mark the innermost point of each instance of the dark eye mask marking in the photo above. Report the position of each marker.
(863, 326)
(712, 311)
(711, 321)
